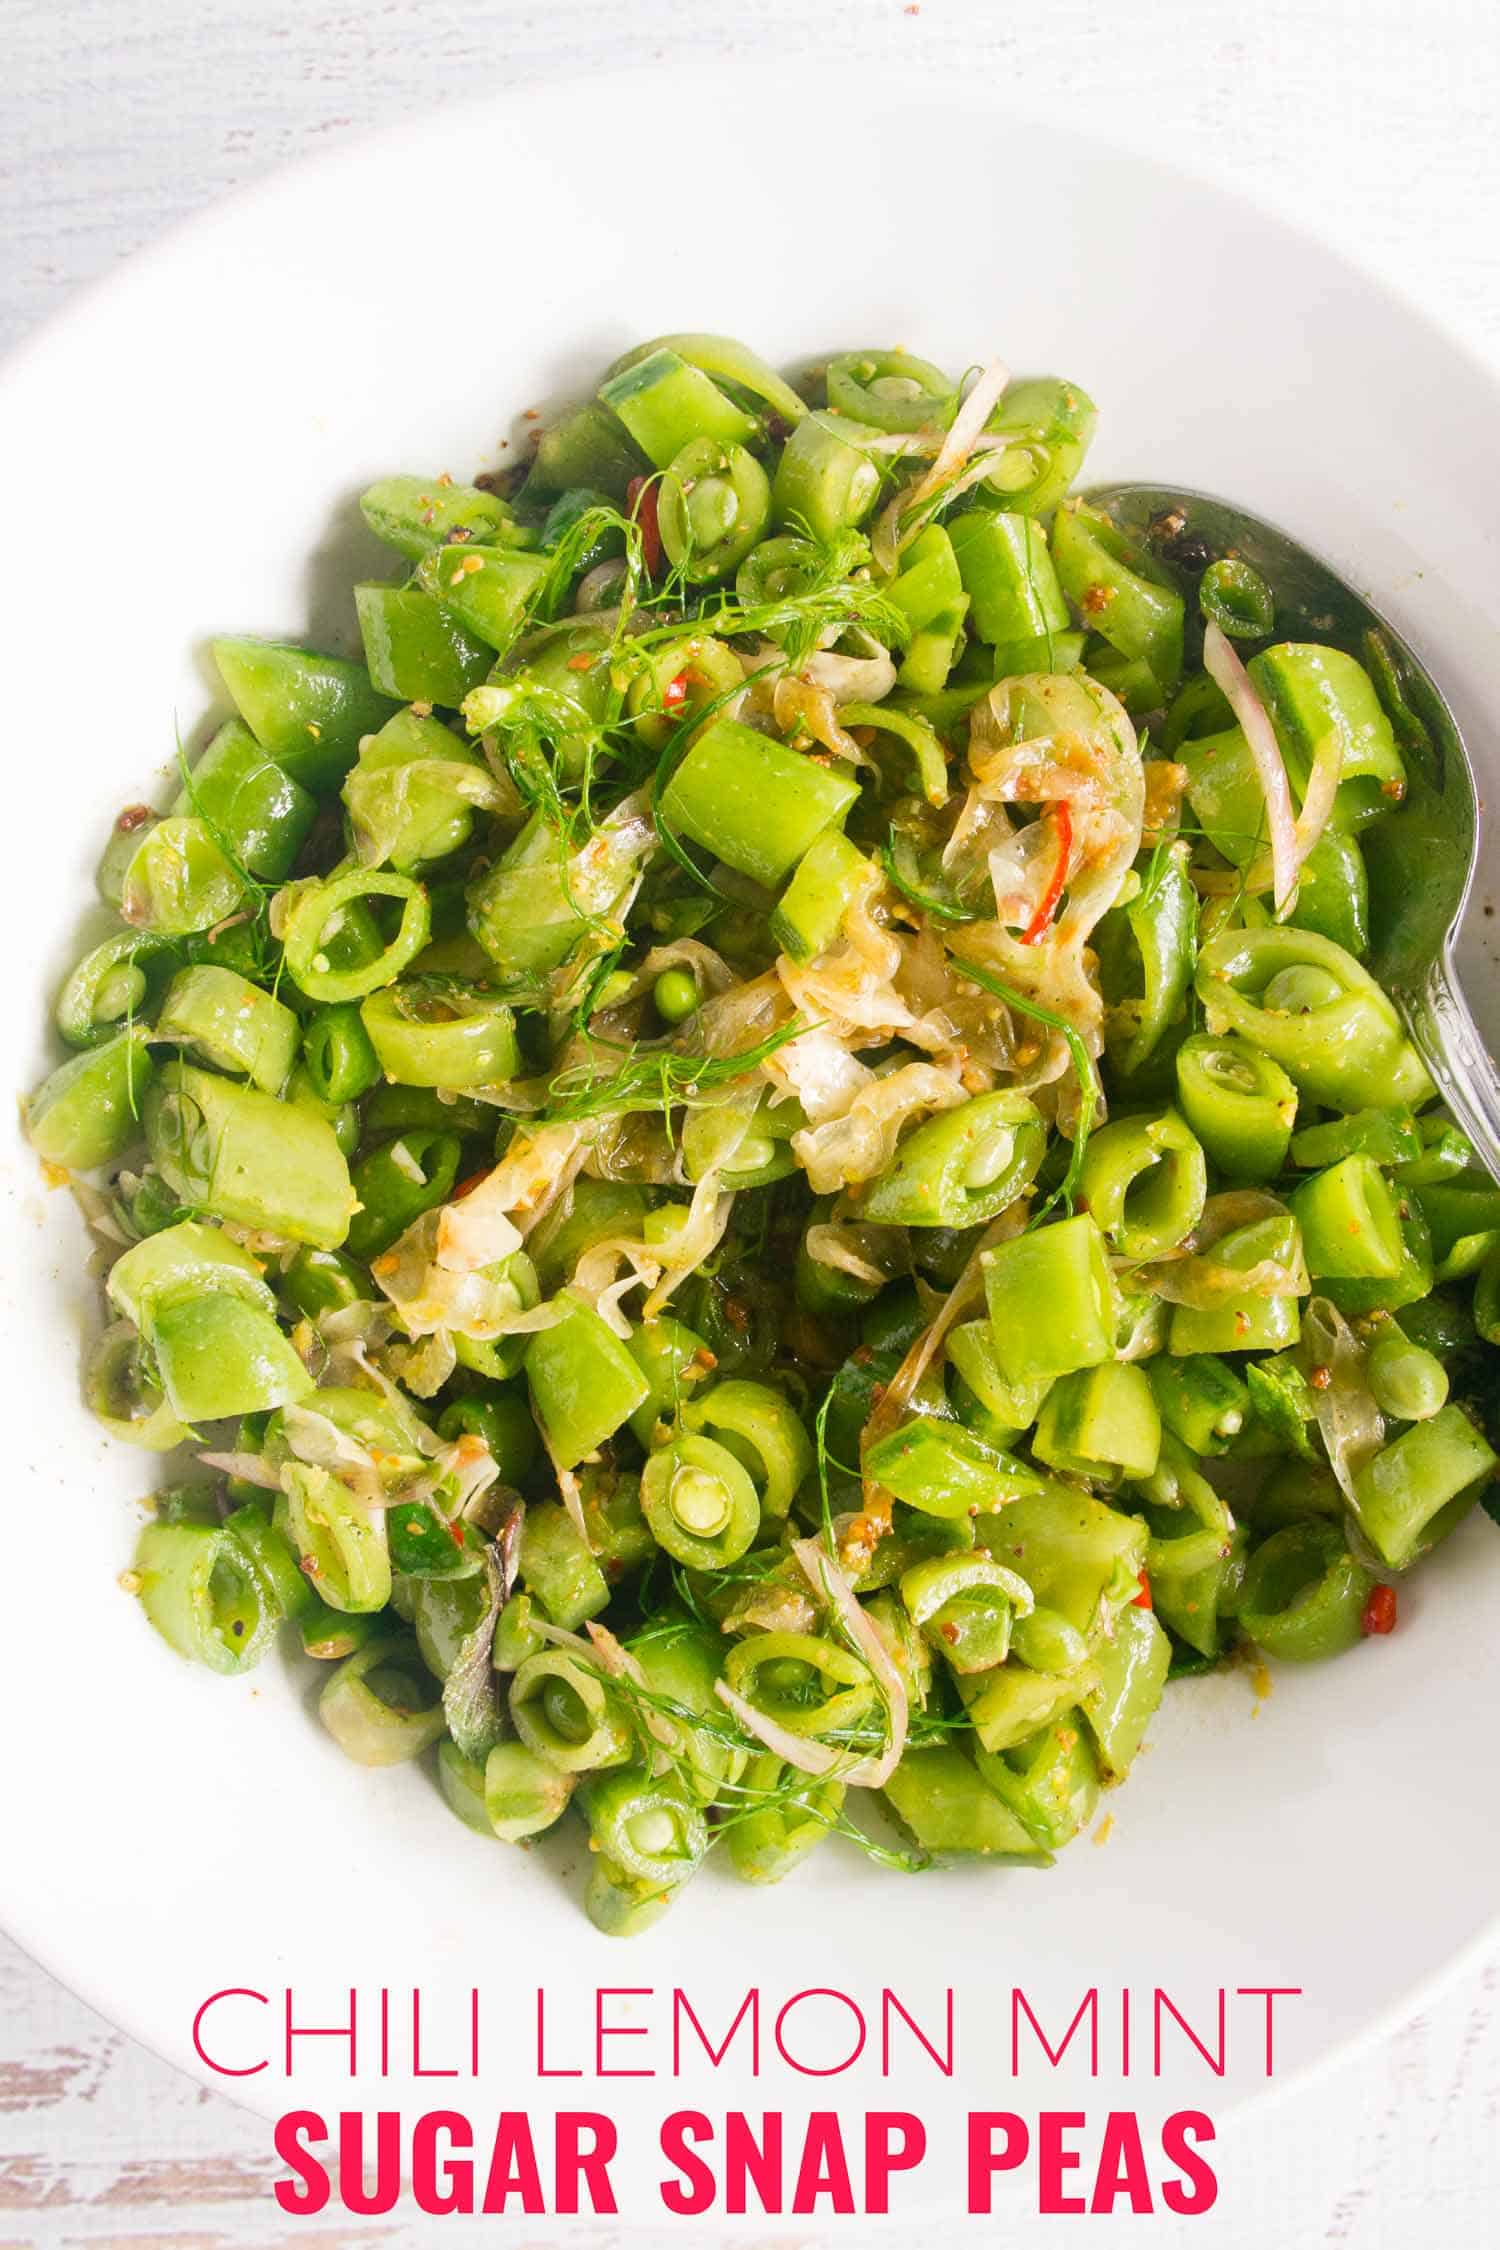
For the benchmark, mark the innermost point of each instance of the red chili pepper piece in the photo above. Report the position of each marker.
(675, 693)
(467, 1187)
(1379, 1614)
(640, 501)
(1143, 1600)
(1040, 922)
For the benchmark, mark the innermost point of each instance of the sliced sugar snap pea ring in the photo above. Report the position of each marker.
(224, 1019)
(964, 1605)
(381, 1705)
(809, 1685)
(825, 481)
(777, 1816)
(762, 1423)
(1239, 1102)
(522, 1793)
(197, 1587)
(961, 1169)
(340, 1062)
(1304, 1593)
(112, 985)
(122, 1387)
(1309, 1005)
(1145, 1180)
(891, 390)
(441, 1031)
(563, 1710)
(700, 1502)
(343, 1546)
(711, 507)
(645, 1825)
(309, 914)
(179, 881)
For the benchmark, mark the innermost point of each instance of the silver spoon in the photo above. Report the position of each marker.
(1421, 862)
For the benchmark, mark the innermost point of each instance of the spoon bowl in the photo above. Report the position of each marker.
(1421, 864)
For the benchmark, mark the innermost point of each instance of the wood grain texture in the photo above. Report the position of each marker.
(1371, 120)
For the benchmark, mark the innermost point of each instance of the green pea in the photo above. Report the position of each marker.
(675, 995)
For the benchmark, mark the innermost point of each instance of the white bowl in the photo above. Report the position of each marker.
(181, 456)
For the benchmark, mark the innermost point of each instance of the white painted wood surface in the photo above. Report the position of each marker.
(1371, 119)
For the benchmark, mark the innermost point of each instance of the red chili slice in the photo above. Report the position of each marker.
(640, 501)
(1379, 1611)
(1143, 1600)
(1041, 921)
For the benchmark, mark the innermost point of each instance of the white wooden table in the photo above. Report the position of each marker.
(1374, 120)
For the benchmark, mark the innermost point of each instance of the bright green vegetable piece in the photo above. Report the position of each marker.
(488, 589)
(1132, 1669)
(380, 1706)
(259, 813)
(415, 648)
(752, 802)
(307, 709)
(1417, 1488)
(564, 1711)
(1310, 1006)
(665, 402)
(1351, 1221)
(557, 1568)
(1201, 1400)
(945, 1470)
(246, 1157)
(1408, 1383)
(590, 446)
(417, 514)
(962, 1168)
(522, 1792)
(700, 1502)
(891, 390)
(198, 1589)
(1309, 691)
(782, 1817)
(1051, 1301)
(711, 507)
(831, 876)
(439, 1031)
(90, 1109)
(412, 793)
(231, 1023)
(1258, 1321)
(824, 482)
(534, 906)
(928, 585)
(1240, 1103)
(1008, 574)
(1119, 591)
(178, 880)
(1100, 1421)
(1050, 1781)
(1056, 420)
(342, 1542)
(939, 1796)
(1078, 1556)
(219, 1356)
(583, 1382)
(1145, 1181)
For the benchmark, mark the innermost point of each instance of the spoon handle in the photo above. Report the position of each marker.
(1447, 1037)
